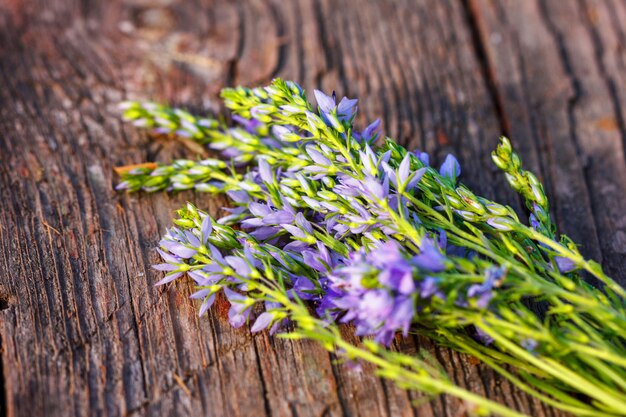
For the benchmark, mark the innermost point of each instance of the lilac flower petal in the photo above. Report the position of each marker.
(192, 239)
(199, 276)
(483, 299)
(430, 257)
(265, 171)
(500, 223)
(216, 254)
(346, 108)
(534, 223)
(369, 132)
(238, 196)
(262, 322)
(565, 265)
(182, 251)
(165, 267)
(239, 265)
(317, 156)
(375, 188)
(428, 287)
(404, 169)
(279, 217)
(236, 319)
(233, 296)
(325, 103)
(424, 157)
(168, 278)
(201, 294)
(304, 223)
(124, 185)
(280, 131)
(251, 223)
(263, 233)
(259, 209)
(296, 246)
(450, 168)
(483, 337)
(415, 178)
(313, 260)
(304, 288)
(206, 229)
(206, 305)
(295, 231)
(167, 257)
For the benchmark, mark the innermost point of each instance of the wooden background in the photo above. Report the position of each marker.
(82, 330)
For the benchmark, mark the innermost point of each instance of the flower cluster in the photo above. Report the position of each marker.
(377, 237)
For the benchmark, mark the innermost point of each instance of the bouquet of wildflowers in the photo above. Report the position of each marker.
(329, 226)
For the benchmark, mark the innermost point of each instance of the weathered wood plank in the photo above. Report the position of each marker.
(82, 329)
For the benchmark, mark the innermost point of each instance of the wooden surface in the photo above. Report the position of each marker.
(82, 330)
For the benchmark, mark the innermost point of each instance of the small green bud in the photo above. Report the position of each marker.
(500, 163)
(468, 215)
(327, 195)
(505, 145)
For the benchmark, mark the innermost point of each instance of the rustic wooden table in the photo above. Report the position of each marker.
(82, 330)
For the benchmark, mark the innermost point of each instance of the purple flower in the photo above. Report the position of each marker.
(258, 209)
(178, 249)
(205, 229)
(373, 290)
(265, 171)
(250, 125)
(279, 217)
(304, 288)
(428, 287)
(169, 278)
(262, 322)
(317, 156)
(263, 233)
(534, 223)
(483, 337)
(401, 316)
(565, 265)
(346, 109)
(370, 133)
(239, 196)
(430, 257)
(206, 304)
(450, 168)
(325, 103)
(483, 293)
(423, 156)
(319, 260)
(240, 265)
(376, 189)
(239, 308)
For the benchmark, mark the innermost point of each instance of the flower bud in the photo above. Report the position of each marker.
(505, 145)
(516, 162)
(497, 209)
(501, 223)
(454, 201)
(513, 181)
(500, 163)
(468, 215)
(471, 200)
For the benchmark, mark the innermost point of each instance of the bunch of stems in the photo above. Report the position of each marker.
(299, 157)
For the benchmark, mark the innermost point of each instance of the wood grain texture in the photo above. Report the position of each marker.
(83, 332)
